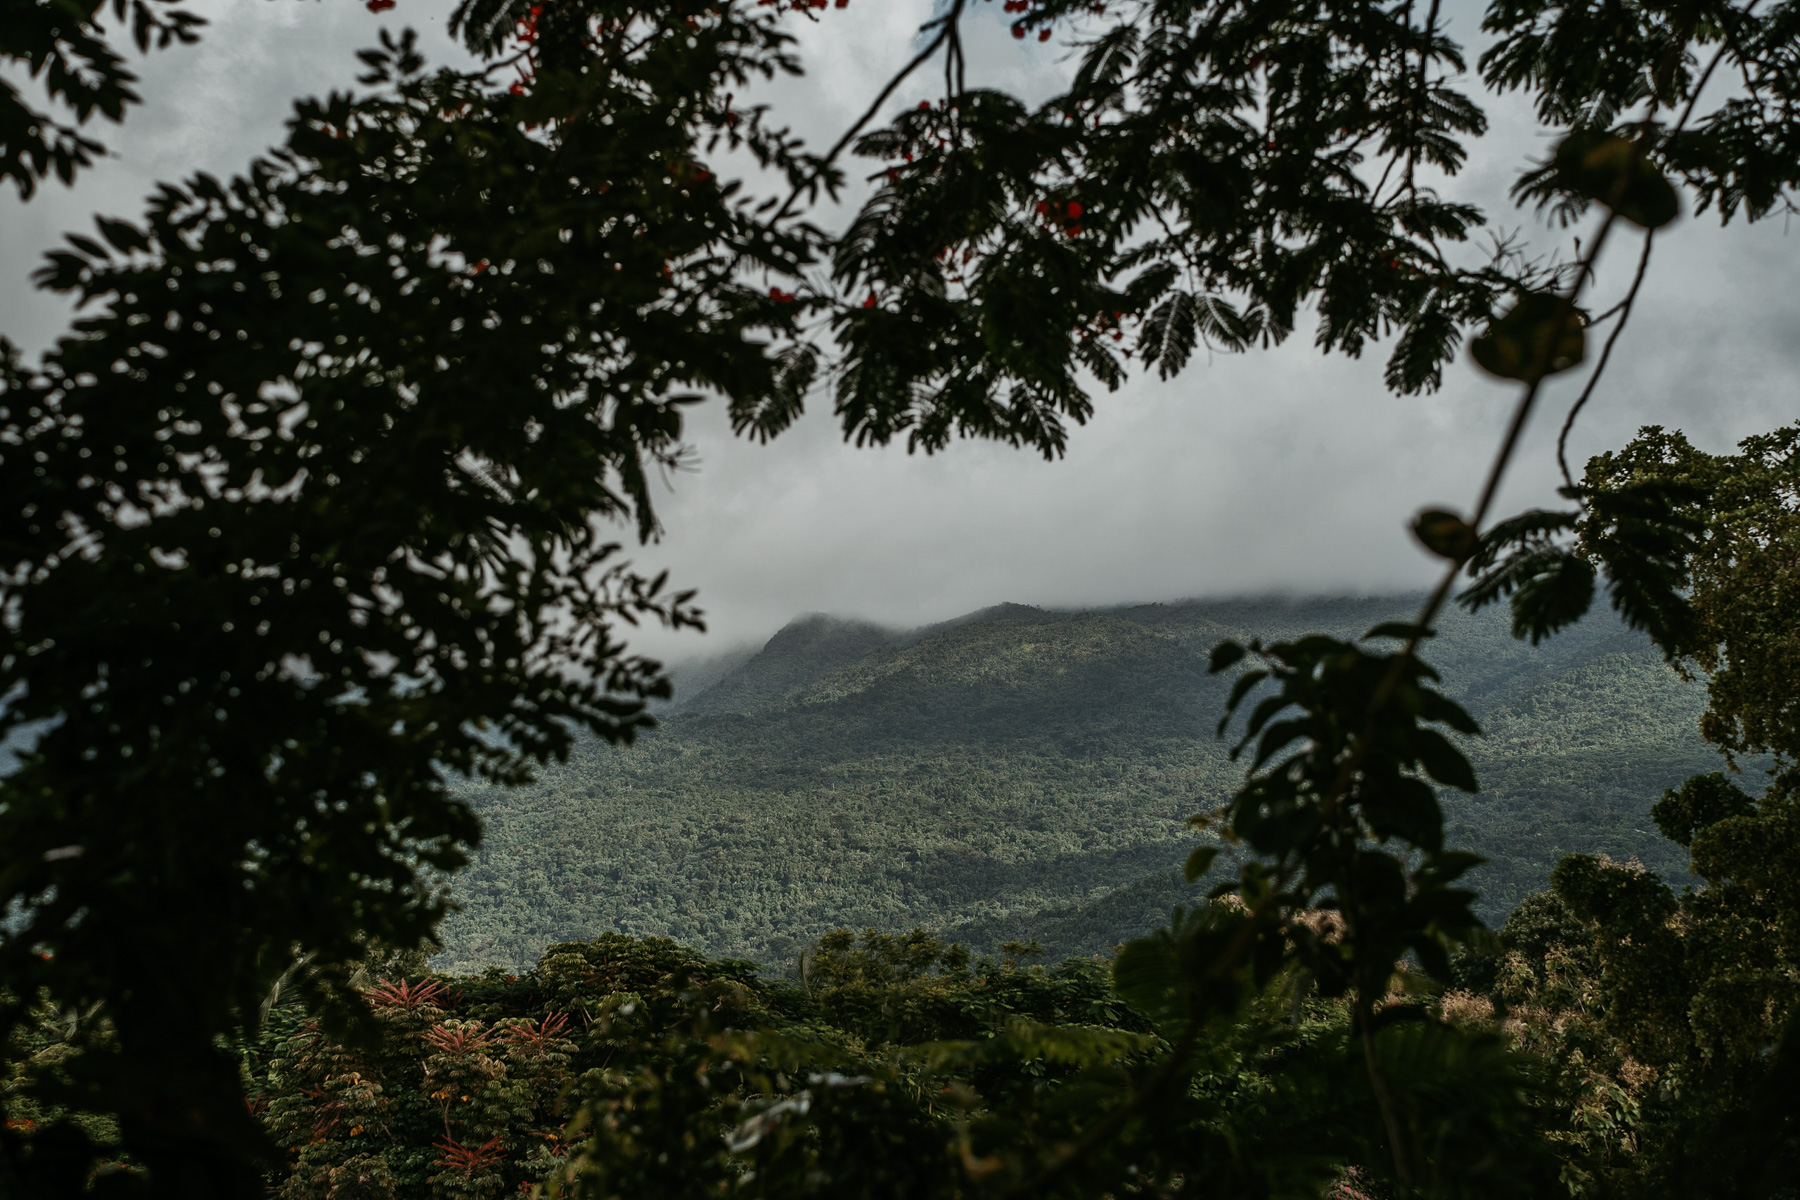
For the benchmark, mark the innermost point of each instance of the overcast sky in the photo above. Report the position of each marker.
(1271, 471)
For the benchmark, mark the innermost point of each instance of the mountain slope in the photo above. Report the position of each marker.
(1026, 773)
(807, 649)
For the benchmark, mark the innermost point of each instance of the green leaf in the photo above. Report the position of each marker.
(1400, 631)
(1199, 862)
(1405, 808)
(1554, 592)
(1541, 334)
(1445, 534)
(1645, 534)
(1551, 584)
(1444, 762)
(88, 246)
(1532, 526)
(1224, 656)
(1615, 171)
(123, 235)
(1170, 334)
(1148, 975)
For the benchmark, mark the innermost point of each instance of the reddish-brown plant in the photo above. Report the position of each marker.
(403, 995)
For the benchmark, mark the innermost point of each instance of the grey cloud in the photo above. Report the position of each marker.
(1279, 470)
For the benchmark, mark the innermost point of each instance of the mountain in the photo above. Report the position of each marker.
(807, 650)
(1026, 773)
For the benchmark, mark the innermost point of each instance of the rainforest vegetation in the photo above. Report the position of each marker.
(1024, 774)
(311, 538)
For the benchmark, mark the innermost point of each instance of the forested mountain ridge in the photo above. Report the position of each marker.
(804, 651)
(1024, 772)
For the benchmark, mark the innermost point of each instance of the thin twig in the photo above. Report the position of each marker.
(1490, 490)
(1228, 960)
(1623, 308)
(1419, 92)
(1624, 311)
(1428, 613)
(1389, 1120)
(1521, 415)
(945, 24)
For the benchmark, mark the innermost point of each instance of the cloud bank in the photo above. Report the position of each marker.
(1280, 470)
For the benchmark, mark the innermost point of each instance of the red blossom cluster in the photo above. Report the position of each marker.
(1018, 30)
(802, 5)
(376, 6)
(1066, 212)
(527, 35)
(781, 297)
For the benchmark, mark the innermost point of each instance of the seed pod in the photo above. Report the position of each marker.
(1525, 343)
(1445, 534)
(1613, 170)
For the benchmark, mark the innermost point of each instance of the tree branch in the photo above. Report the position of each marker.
(1624, 311)
(946, 24)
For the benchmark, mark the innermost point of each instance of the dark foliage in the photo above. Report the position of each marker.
(64, 45)
(309, 516)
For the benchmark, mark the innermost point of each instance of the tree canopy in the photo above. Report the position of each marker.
(316, 508)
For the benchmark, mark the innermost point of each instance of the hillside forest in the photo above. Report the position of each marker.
(1023, 774)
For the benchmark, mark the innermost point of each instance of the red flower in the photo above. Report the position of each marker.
(376, 6)
(1018, 31)
(1043, 35)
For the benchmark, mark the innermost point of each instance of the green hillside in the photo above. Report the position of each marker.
(1024, 773)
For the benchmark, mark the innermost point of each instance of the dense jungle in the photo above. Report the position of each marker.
(1023, 774)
